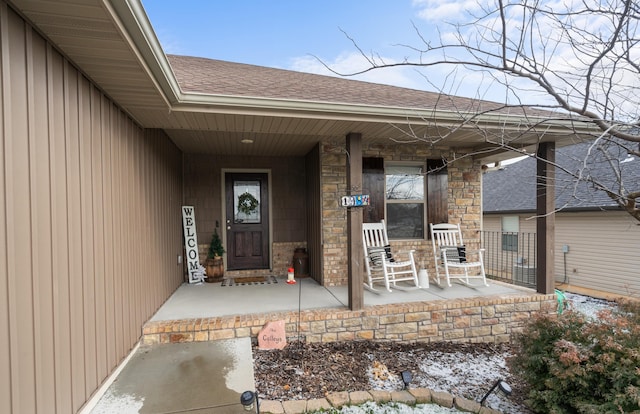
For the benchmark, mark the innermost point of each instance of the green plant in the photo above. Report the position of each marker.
(215, 248)
(575, 365)
(247, 203)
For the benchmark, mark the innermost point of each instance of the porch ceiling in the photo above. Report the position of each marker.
(287, 136)
(214, 133)
(113, 43)
(220, 130)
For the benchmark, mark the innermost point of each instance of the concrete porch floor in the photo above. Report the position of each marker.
(209, 376)
(211, 299)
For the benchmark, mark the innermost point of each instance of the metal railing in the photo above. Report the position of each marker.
(510, 257)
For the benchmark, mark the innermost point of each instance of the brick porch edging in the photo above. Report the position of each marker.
(411, 397)
(480, 319)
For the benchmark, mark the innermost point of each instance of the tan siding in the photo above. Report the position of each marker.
(5, 357)
(18, 225)
(90, 224)
(491, 223)
(41, 225)
(603, 251)
(5, 324)
(528, 224)
(60, 241)
(314, 212)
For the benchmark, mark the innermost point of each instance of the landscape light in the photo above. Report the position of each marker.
(501, 386)
(248, 399)
(406, 378)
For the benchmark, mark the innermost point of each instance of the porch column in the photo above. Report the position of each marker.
(546, 219)
(355, 254)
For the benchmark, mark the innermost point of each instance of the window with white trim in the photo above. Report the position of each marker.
(510, 229)
(405, 201)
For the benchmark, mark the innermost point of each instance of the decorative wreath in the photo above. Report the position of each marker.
(247, 203)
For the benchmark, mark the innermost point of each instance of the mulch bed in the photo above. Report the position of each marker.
(306, 371)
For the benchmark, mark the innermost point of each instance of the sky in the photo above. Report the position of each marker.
(301, 34)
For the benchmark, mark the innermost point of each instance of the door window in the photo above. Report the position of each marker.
(246, 206)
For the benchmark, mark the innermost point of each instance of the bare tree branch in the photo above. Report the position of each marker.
(584, 57)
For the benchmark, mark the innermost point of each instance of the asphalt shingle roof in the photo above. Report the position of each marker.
(210, 76)
(513, 188)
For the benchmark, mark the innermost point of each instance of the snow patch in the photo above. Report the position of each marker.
(587, 305)
(396, 408)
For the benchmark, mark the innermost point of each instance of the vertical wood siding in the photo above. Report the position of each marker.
(90, 225)
(314, 214)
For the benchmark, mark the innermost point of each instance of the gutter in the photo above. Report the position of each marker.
(564, 210)
(201, 102)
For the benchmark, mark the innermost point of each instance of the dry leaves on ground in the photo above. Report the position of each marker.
(305, 371)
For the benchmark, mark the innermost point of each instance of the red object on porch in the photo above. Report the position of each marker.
(290, 275)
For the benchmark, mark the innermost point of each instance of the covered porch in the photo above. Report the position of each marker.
(316, 313)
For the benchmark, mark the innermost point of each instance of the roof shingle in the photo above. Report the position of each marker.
(513, 188)
(217, 77)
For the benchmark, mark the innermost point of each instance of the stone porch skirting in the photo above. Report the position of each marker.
(481, 319)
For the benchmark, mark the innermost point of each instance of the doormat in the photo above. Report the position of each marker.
(249, 281)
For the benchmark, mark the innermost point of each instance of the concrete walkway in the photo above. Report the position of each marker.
(195, 377)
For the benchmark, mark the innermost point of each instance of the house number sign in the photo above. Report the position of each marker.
(191, 244)
(357, 200)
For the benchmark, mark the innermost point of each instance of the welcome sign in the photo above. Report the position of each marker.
(191, 244)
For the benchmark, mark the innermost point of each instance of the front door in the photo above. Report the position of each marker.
(247, 210)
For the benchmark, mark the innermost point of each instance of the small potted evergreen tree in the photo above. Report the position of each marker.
(214, 264)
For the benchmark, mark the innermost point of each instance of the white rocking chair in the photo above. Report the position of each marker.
(381, 265)
(450, 255)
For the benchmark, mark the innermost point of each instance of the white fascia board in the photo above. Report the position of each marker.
(197, 102)
(135, 27)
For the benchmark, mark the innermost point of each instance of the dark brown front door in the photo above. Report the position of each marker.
(247, 204)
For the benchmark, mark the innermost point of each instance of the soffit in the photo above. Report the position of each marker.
(87, 32)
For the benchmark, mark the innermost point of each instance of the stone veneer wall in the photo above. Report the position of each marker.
(481, 319)
(464, 200)
(334, 218)
(283, 256)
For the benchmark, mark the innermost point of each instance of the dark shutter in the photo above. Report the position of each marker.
(373, 184)
(437, 183)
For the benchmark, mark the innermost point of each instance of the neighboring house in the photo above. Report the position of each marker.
(596, 243)
(104, 138)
